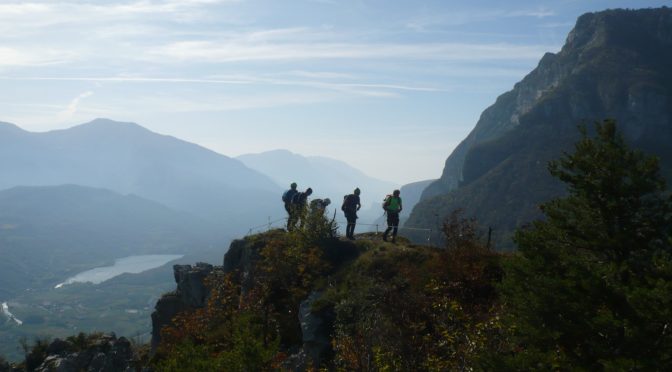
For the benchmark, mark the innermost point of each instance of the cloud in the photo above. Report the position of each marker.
(223, 103)
(205, 51)
(428, 22)
(32, 56)
(362, 89)
(26, 17)
(72, 107)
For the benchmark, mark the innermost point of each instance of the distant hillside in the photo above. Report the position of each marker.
(126, 158)
(50, 233)
(615, 64)
(411, 194)
(328, 177)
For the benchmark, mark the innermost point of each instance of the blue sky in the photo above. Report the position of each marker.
(390, 87)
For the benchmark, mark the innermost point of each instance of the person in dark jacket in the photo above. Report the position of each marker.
(298, 208)
(287, 197)
(392, 207)
(351, 205)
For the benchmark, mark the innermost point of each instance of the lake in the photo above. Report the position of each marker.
(130, 264)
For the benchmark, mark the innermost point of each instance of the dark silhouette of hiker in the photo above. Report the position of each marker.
(319, 205)
(392, 206)
(298, 209)
(351, 205)
(287, 197)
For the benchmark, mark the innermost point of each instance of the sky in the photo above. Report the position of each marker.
(388, 86)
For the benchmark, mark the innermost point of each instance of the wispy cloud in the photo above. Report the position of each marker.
(72, 107)
(365, 89)
(30, 17)
(457, 18)
(223, 103)
(32, 56)
(220, 52)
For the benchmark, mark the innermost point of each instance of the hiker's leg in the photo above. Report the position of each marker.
(394, 224)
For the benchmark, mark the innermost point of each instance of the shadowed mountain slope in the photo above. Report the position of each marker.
(615, 64)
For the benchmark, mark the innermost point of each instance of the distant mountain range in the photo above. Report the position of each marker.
(327, 177)
(48, 233)
(129, 159)
(615, 64)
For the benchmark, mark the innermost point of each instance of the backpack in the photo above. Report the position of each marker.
(299, 198)
(387, 201)
(349, 202)
(288, 195)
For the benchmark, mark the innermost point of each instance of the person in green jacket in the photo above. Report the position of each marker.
(393, 207)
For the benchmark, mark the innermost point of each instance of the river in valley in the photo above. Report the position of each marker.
(5, 311)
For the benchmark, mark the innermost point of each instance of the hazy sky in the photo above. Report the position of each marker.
(390, 87)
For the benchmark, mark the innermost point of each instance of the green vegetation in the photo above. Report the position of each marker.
(250, 318)
(387, 307)
(592, 286)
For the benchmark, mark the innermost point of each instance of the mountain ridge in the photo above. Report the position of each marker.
(605, 70)
(130, 159)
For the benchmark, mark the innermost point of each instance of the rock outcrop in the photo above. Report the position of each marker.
(242, 255)
(106, 353)
(315, 330)
(191, 293)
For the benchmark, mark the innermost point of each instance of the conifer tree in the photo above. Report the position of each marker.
(591, 287)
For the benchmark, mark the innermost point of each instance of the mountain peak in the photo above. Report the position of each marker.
(625, 27)
(103, 124)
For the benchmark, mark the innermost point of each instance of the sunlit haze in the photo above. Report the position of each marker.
(390, 87)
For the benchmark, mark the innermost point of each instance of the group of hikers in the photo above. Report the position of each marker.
(295, 205)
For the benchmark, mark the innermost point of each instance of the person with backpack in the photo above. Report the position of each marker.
(392, 206)
(319, 205)
(287, 197)
(298, 208)
(351, 205)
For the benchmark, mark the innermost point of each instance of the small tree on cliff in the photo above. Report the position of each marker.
(592, 285)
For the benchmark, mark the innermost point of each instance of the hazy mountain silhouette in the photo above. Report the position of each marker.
(615, 64)
(50, 232)
(127, 158)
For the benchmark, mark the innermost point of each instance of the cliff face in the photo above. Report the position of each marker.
(191, 293)
(615, 64)
(242, 256)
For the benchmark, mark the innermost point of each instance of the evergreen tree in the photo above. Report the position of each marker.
(591, 287)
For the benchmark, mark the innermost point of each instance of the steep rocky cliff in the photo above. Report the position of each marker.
(191, 293)
(243, 257)
(615, 64)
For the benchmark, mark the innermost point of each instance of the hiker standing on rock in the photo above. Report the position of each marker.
(299, 210)
(392, 206)
(287, 197)
(351, 205)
